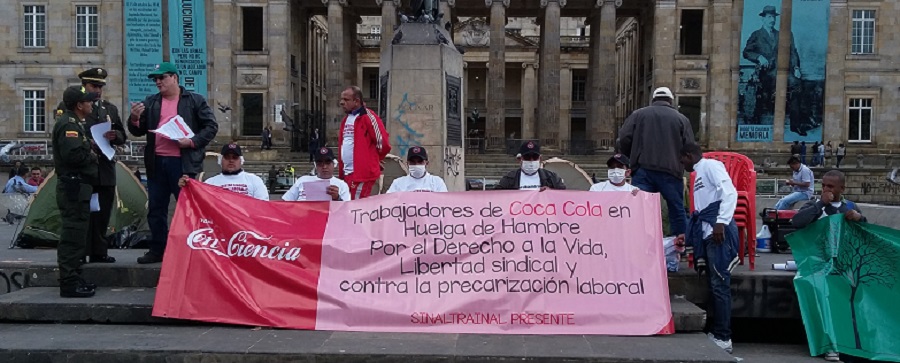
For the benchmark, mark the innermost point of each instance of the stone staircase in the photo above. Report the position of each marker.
(116, 326)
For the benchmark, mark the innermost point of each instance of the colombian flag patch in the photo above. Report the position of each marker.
(71, 133)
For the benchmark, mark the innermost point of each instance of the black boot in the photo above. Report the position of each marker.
(149, 257)
(77, 290)
(102, 259)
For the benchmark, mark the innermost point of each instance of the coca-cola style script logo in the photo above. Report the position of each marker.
(244, 244)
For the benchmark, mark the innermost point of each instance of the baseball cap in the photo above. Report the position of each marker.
(324, 154)
(232, 149)
(530, 147)
(417, 151)
(96, 76)
(75, 94)
(619, 158)
(663, 92)
(163, 68)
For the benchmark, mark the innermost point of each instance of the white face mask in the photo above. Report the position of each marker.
(530, 167)
(616, 176)
(417, 171)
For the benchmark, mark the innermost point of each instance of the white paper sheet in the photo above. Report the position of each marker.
(175, 129)
(97, 132)
(95, 202)
(317, 190)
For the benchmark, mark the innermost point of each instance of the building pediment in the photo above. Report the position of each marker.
(476, 32)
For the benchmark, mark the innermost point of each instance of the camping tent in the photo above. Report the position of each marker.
(394, 167)
(42, 225)
(574, 177)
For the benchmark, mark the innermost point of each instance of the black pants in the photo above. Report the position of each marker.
(97, 244)
(73, 200)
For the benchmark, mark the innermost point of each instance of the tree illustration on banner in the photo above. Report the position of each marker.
(863, 259)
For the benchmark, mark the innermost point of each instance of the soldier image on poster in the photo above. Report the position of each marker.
(806, 85)
(758, 69)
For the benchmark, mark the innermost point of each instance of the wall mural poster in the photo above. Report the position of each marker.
(187, 39)
(143, 46)
(806, 74)
(758, 66)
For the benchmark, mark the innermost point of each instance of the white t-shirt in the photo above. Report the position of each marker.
(242, 183)
(427, 183)
(833, 204)
(296, 192)
(712, 183)
(347, 146)
(610, 187)
(529, 182)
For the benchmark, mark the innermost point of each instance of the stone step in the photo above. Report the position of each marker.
(151, 344)
(134, 305)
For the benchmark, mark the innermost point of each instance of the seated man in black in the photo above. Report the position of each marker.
(530, 175)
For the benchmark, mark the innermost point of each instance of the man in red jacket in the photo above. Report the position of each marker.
(362, 145)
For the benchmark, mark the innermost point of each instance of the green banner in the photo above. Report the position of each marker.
(845, 283)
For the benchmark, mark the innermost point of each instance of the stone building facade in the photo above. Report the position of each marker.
(566, 72)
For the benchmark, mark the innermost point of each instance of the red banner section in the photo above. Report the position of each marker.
(555, 262)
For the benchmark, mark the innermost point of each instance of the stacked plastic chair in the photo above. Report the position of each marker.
(740, 169)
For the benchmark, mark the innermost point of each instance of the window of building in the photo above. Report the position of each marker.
(87, 32)
(860, 128)
(252, 20)
(373, 86)
(863, 32)
(35, 115)
(691, 35)
(35, 26)
(375, 29)
(251, 113)
(579, 82)
(690, 108)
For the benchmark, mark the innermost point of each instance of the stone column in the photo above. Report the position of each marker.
(279, 56)
(496, 77)
(528, 100)
(351, 49)
(335, 70)
(565, 106)
(834, 128)
(221, 71)
(784, 62)
(590, 93)
(722, 128)
(548, 91)
(664, 30)
(445, 8)
(388, 21)
(602, 106)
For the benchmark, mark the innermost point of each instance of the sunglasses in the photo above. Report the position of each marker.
(162, 77)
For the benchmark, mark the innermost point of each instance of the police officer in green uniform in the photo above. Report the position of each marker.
(93, 80)
(76, 170)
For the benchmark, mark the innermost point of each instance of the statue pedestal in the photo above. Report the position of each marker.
(420, 99)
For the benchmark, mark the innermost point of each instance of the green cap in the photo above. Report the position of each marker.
(163, 68)
(75, 94)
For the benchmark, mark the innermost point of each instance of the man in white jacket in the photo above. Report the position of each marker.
(233, 176)
(418, 180)
(337, 189)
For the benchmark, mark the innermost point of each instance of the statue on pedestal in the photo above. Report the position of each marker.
(423, 11)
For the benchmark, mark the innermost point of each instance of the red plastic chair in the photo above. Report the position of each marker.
(743, 176)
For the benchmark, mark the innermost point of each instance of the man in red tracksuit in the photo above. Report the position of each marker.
(362, 145)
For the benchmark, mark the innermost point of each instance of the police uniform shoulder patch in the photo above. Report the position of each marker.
(72, 119)
(71, 133)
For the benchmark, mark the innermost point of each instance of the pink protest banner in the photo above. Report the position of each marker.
(554, 262)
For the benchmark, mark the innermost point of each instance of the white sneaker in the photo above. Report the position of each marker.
(832, 357)
(724, 344)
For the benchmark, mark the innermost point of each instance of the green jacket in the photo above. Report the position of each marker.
(104, 111)
(72, 150)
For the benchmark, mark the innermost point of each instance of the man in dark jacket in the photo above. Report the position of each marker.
(652, 138)
(530, 175)
(93, 80)
(165, 159)
(830, 202)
